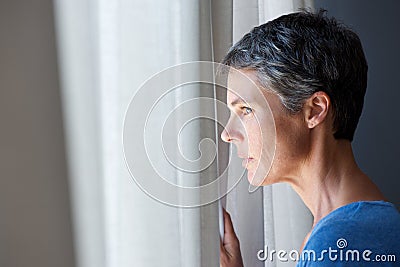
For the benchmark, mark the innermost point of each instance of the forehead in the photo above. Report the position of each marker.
(243, 86)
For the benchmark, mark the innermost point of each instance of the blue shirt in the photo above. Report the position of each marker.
(364, 233)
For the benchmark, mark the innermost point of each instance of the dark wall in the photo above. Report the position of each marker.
(376, 143)
(35, 223)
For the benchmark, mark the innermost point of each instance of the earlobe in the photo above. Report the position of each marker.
(317, 109)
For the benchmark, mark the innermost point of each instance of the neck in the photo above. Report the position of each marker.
(330, 178)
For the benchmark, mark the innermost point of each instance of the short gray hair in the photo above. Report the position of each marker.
(302, 53)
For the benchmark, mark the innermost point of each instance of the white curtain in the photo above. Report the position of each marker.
(107, 50)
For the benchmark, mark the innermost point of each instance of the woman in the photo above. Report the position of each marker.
(312, 72)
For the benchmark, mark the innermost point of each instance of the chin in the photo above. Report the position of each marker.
(250, 178)
(262, 180)
(256, 179)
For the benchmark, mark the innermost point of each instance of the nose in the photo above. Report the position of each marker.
(231, 133)
(225, 136)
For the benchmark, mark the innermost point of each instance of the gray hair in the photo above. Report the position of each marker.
(302, 53)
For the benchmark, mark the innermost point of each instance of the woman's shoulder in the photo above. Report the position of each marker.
(355, 234)
(362, 214)
(358, 227)
(362, 218)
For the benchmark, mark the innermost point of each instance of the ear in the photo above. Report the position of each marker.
(316, 109)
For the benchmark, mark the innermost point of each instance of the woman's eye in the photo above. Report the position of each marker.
(247, 110)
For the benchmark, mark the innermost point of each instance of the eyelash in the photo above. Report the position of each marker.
(247, 110)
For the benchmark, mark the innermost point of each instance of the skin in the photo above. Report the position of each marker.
(321, 169)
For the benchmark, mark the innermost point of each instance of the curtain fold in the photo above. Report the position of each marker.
(76, 32)
(107, 50)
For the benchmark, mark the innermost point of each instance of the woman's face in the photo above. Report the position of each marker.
(271, 142)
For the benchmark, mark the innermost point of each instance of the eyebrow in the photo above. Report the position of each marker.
(239, 102)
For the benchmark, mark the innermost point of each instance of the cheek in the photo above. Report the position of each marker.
(292, 139)
(254, 138)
